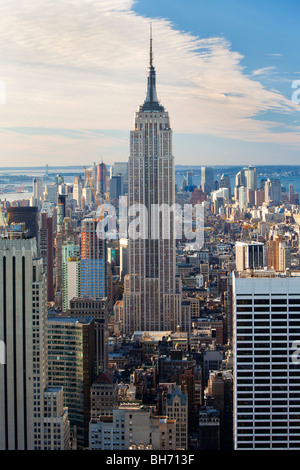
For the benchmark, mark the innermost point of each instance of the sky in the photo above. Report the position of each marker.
(73, 74)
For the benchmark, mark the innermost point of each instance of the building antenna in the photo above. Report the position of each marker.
(151, 51)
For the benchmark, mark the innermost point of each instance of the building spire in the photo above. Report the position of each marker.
(151, 101)
(151, 51)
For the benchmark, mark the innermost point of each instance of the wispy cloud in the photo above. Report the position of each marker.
(82, 64)
(264, 70)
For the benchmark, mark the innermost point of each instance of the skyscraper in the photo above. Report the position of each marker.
(60, 211)
(207, 179)
(23, 330)
(121, 168)
(152, 291)
(251, 178)
(38, 188)
(28, 215)
(101, 178)
(93, 260)
(46, 251)
(273, 190)
(98, 309)
(279, 254)
(189, 176)
(116, 187)
(225, 182)
(71, 355)
(70, 272)
(240, 178)
(65, 234)
(266, 334)
(77, 190)
(24, 422)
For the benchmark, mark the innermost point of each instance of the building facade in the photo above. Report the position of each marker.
(207, 178)
(132, 427)
(23, 377)
(104, 396)
(250, 255)
(46, 251)
(98, 309)
(56, 420)
(93, 260)
(266, 331)
(71, 273)
(71, 366)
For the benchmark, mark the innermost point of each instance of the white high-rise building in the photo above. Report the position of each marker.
(251, 178)
(152, 295)
(77, 190)
(242, 197)
(87, 194)
(71, 273)
(23, 377)
(266, 339)
(38, 190)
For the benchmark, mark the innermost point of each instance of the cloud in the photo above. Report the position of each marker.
(36, 146)
(264, 70)
(82, 64)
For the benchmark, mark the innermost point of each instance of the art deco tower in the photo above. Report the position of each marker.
(152, 295)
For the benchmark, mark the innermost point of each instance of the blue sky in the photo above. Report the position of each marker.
(75, 73)
(256, 29)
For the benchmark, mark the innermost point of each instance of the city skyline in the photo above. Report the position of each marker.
(225, 71)
(144, 306)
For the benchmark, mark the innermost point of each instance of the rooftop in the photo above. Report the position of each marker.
(73, 320)
(266, 273)
(105, 377)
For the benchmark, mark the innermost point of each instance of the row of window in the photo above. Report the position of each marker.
(273, 301)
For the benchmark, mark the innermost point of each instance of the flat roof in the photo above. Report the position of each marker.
(79, 320)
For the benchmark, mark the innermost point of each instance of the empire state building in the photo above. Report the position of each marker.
(152, 291)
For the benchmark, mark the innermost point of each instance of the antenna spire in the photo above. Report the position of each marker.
(151, 51)
(151, 101)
